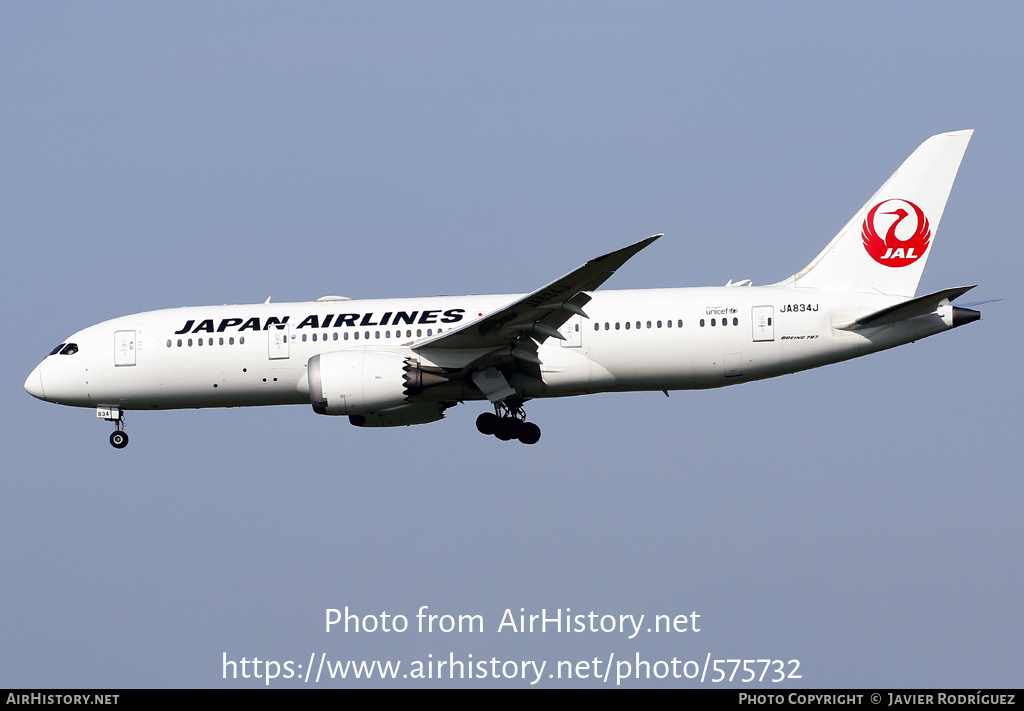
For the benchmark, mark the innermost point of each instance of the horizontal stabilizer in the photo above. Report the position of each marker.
(972, 304)
(921, 306)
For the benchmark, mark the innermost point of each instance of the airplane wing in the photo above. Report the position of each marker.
(488, 349)
(540, 313)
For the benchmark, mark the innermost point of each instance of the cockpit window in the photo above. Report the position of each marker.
(69, 349)
(56, 350)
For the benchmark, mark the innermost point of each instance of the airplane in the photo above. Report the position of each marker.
(396, 362)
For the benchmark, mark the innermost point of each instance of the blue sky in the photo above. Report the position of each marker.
(862, 518)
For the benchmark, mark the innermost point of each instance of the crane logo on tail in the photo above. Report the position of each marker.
(907, 233)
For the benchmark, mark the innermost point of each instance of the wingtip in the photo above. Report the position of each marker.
(645, 243)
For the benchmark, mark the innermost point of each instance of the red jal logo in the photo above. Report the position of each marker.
(906, 240)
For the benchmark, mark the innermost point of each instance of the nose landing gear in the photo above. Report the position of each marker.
(118, 438)
(508, 422)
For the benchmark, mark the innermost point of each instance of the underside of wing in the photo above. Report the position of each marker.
(540, 313)
(508, 337)
(920, 306)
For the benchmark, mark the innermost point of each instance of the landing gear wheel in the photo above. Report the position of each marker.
(529, 433)
(508, 429)
(487, 423)
(508, 422)
(119, 439)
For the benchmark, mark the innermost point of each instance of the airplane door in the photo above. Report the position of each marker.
(573, 332)
(277, 342)
(124, 348)
(764, 323)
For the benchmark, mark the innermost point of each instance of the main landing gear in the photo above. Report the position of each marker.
(118, 438)
(508, 423)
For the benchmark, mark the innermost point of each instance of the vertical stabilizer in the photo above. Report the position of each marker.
(884, 248)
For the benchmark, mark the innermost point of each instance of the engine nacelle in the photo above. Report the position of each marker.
(417, 413)
(356, 382)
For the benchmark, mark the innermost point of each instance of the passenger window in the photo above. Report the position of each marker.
(168, 342)
(648, 324)
(231, 341)
(241, 340)
(179, 343)
(680, 323)
(735, 322)
(627, 325)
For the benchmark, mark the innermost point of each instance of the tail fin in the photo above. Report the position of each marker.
(884, 248)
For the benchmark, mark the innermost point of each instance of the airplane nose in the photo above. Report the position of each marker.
(34, 382)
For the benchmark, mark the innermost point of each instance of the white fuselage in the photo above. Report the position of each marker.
(649, 339)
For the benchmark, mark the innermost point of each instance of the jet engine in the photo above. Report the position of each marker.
(366, 382)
